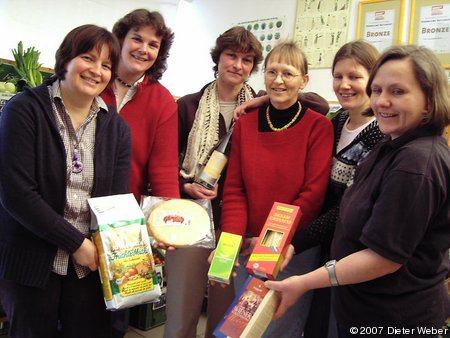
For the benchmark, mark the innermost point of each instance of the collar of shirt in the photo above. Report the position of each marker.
(422, 131)
(55, 92)
(129, 95)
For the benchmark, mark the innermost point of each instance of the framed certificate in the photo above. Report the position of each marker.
(380, 22)
(430, 27)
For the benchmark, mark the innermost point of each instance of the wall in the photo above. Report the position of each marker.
(199, 22)
(196, 24)
(44, 23)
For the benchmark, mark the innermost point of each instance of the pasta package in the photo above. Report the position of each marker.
(273, 241)
(127, 269)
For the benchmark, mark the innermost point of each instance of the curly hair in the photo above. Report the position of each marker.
(237, 39)
(141, 18)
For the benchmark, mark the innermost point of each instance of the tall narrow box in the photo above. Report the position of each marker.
(274, 240)
(225, 255)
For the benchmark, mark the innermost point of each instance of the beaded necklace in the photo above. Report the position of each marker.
(123, 82)
(273, 128)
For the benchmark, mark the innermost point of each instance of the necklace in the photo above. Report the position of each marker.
(285, 126)
(123, 82)
(77, 164)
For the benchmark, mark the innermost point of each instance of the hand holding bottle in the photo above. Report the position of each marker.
(197, 191)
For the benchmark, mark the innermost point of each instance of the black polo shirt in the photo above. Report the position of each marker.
(399, 207)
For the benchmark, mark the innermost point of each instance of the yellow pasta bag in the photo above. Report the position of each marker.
(127, 269)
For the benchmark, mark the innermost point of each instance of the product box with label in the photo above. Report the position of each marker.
(224, 257)
(250, 313)
(273, 241)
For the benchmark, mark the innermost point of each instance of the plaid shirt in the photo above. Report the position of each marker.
(79, 185)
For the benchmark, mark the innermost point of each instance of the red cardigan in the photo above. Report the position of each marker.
(152, 117)
(291, 166)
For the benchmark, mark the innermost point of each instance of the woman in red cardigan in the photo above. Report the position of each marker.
(148, 108)
(281, 153)
(145, 104)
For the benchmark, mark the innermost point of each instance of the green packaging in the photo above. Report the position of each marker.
(224, 257)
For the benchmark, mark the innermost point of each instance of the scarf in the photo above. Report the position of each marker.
(204, 134)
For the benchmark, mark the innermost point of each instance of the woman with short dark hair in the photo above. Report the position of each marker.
(205, 117)
(60, 144)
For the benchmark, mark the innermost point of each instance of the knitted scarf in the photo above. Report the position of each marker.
(204, 134)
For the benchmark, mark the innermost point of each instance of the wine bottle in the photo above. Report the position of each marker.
(211, 172)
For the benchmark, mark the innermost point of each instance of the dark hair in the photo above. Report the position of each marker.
(291, 53)
(431, 77)
(83, 39)
(240, 40)
(360, 51)
(141, 18)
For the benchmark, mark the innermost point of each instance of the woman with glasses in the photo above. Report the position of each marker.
(280, 153)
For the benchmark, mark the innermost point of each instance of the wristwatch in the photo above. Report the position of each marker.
(330, 266)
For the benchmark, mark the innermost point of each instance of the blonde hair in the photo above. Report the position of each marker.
(288, 52)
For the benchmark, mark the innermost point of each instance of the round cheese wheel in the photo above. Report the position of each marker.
(179, 222)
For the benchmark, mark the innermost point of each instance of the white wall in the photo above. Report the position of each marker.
(196, 24)
(199, 23)
(44, 23)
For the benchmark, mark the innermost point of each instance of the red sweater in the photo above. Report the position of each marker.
(290, 166)
(152, 117)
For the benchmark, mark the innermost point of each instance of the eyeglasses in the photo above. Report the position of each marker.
(286, 76)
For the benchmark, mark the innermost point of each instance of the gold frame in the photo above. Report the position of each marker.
(416, 6)
(378, 5)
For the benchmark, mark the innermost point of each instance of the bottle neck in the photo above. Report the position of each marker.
(222, 147)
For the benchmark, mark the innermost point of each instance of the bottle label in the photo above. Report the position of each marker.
(215, 165)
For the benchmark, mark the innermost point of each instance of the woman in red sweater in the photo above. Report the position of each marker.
(146, 105)
(281, 153)
(149, 110)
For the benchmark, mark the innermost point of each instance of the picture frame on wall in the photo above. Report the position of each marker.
(321, 28)
(430, 27)
(380, 22)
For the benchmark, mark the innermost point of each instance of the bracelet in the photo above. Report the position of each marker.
(331, 268)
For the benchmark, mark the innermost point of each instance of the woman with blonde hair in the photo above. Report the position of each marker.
(280, 153)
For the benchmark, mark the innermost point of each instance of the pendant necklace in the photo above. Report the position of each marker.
(77, 165)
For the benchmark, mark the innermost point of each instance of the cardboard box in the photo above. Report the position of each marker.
(224, 257)
(273, 241)
(250, 313)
